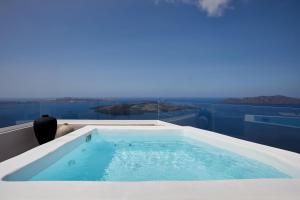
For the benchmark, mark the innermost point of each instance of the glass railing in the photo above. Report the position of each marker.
(277, 126)
(13, 112)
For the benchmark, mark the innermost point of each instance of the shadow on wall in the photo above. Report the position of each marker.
(15, 142)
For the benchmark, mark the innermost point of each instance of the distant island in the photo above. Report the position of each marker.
(140, 108)
(137, 106)
(78, 99)
(55, 100)
(264, 100)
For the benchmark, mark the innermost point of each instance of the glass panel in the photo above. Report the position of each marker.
(277, 126)
(123, 108)
(14, 112)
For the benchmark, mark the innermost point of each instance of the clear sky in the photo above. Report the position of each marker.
(166, 48)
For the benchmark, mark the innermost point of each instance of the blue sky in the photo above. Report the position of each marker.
(166, 48)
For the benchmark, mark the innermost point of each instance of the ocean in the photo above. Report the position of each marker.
(206, 113)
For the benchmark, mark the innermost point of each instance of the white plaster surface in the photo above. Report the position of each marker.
(182, 190)
(225, 189)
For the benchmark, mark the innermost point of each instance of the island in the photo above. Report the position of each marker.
(140, 108)
(55, 100)
(264, 100)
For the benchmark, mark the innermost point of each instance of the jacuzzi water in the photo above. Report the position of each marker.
(150, 155)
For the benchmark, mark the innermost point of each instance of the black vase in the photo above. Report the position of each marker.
(45, 128)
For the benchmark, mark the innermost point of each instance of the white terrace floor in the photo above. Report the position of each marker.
(193, 190)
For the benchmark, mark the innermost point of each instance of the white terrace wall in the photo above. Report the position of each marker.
(16, 141)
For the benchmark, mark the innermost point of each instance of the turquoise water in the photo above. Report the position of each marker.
(144, 156)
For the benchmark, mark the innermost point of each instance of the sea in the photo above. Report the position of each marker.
(273, 125)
